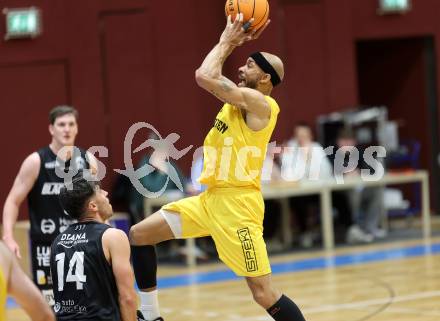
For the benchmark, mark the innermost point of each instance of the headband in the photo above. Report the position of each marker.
(266, 67)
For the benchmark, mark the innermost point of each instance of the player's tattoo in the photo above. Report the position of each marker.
(216, 95)
(226, 87)
(219, 96)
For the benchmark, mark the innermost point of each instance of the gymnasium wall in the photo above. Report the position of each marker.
(124, 61)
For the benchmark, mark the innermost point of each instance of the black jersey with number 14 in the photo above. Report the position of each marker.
(83, 282)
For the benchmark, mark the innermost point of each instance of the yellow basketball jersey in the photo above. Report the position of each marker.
(3, 294)
(233, 153)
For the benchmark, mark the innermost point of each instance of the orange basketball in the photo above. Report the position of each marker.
(258, 9)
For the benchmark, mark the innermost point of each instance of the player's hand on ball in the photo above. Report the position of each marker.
(235, 32)
(255, 34)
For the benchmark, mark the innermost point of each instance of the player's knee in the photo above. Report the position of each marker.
(135, 236)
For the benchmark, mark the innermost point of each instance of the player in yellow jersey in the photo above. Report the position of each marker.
(14, 282)
(231, 210)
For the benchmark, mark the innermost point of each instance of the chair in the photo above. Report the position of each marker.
(406, 158)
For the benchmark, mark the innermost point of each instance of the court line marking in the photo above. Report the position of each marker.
(335, 307)
(417, 312)
(373, 302)
(295, 266)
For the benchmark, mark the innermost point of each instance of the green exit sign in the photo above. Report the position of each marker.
(394, 6)
(22, 23)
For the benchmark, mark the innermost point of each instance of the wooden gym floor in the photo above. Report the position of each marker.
(382, 282)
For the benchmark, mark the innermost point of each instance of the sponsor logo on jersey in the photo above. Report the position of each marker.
(43, 257)
(41, 277)
(57, 307)
(48, 296)
(69, 306)
(51, 188)
(220, 126)
(47, 226)
(73, 237)
(248, 249)
(51, 165)
(68, 240)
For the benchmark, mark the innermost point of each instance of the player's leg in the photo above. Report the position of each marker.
(248, 257)
(279, 306)
(143, 236)
(237, 229)
(174, 221)
(152, 230)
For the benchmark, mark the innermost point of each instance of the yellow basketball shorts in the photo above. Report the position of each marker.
(234, 219)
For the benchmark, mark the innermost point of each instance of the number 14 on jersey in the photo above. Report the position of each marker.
(75, 272)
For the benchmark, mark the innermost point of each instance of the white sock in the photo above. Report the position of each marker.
(149, 305)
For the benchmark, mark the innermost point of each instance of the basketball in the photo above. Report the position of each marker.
(257, 9)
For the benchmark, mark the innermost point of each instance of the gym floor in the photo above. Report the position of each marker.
(380, 282)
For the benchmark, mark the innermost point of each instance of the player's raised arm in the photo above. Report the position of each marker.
(209, 75)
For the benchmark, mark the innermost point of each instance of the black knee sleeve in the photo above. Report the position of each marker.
(144, 265)
(285, 310)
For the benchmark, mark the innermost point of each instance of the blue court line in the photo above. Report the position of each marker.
(304, 265)
(298, 266)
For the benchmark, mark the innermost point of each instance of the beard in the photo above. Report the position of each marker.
(251, 84)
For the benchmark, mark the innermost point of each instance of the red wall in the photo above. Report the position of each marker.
(123, 61)
(397, 80)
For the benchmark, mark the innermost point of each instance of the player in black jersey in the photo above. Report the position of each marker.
(38, 181)
(90, 260)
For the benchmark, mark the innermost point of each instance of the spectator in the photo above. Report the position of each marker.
(305, 161)
(365, 202)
